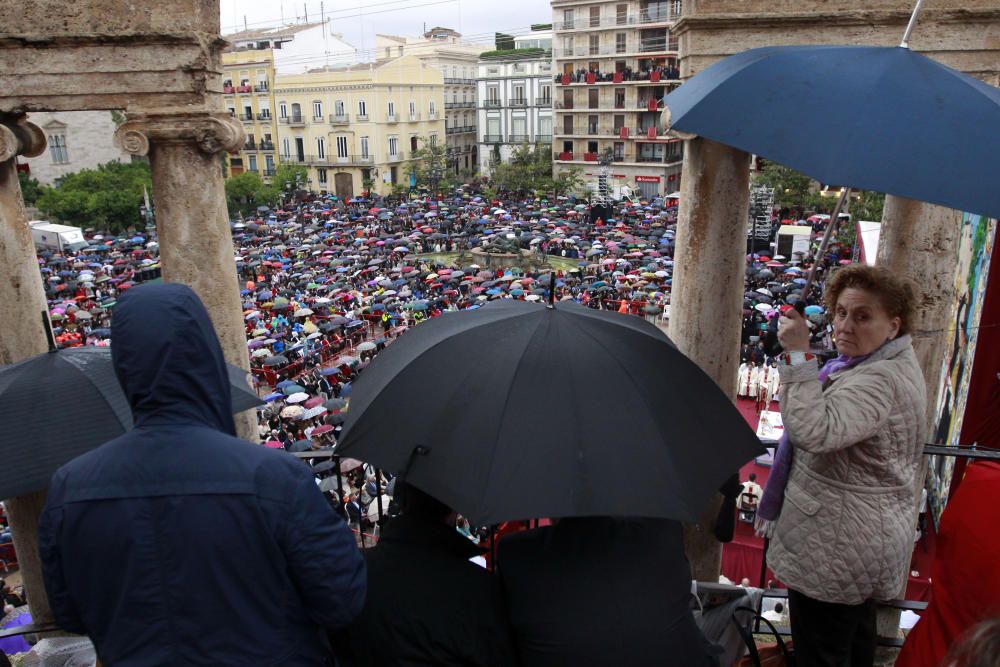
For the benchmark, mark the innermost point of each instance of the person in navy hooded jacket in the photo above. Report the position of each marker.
(177, 543)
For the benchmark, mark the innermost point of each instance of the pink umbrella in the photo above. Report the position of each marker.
(313, 402)
(274, 444)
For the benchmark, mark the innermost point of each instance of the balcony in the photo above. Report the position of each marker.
(452, 105)
(246, 117)
(565, 156)
(353, 159)
(518, 138)
(452, 130)
(292, 120)
(452, 81)
(392, 118)
(394, 157)
(317, 119)
(339, 119)
(265, 117)
(261, 88)
(543, 138)
(361, 117)
(519, 102)
(414, 117)
(492, 138)
(468, 128)
(432, 115)
(590, 157)
(228, 90)
(491, 104)
(543, 102)
(247, 88)
(249, 146)
(269, 172)
(646, 17)
(266, 146)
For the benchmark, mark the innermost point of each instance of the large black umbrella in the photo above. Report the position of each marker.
(515, 410)
(58, 405)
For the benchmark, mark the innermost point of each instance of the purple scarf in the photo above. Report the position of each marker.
(774, 490)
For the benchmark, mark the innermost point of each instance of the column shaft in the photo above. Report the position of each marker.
(707, 296)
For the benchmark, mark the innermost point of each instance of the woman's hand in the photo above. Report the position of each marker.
(793, 331)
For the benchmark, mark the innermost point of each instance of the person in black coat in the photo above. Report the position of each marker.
(177, 543)
(601, 591)
(427, 604)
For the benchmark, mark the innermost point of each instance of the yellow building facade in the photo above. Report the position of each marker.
(361, 125)
(248, 80)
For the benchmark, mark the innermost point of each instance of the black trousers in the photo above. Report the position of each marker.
(827, 634)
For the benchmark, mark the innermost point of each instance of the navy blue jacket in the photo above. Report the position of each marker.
(180, 544)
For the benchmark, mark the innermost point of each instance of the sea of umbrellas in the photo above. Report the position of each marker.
(327, 283)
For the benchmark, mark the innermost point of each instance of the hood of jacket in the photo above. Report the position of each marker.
(168, 358)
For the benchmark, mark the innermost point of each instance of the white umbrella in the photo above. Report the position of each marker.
(261, 352)
(366, 346)
(292, 412)
(764, 307)
(298, 397)
(313, 412)
(303, 312)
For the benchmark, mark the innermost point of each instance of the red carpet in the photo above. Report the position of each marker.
(743, 557)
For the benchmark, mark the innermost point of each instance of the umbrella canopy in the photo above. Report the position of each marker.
(509, 454)
(58, 405)
(895, 125)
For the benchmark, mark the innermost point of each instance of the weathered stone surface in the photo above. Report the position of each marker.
(706, 299)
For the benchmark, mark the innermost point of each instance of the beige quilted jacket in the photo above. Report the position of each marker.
(845, 532)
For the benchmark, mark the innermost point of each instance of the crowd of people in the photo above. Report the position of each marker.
(326, 285)
(645, 73)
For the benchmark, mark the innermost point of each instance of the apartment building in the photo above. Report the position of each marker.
(248, 75)
(514, 98)
(297, 47)
(615, 61)
(444, 49)
(360, 124)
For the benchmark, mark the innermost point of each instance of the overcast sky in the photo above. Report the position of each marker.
(359, 20)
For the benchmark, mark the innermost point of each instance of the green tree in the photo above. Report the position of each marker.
(529, 170)
(107, 197)
(567, 182)
(430, 166)
(792, 189)
(868, 206)
(245, 192)
(30, 187)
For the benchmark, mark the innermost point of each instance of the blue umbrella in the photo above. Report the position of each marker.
(814, 310)
(273, 396)
(900, 123)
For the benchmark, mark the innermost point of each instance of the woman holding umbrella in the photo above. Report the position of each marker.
(839, 501)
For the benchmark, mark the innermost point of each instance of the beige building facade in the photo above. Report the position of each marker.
(614, 62)
(359, 126)
(445, 50)
(247, 79)
(76, 140)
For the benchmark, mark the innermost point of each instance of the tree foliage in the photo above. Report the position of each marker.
(107, 197)
(431, 166)
(247, 191)
(792, 189)
(30, 188)
(529, 171)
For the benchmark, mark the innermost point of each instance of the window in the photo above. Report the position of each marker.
(341, 146)
(592, 124)
(619, 98)
(296, 112)
(321, 148)
(392, 108)
(57, 148)
(317, 110)
(619, 151)
(283, 110)
(285, 148)
(362, 109)
(518, 129)
(393, 146)
(252, 162)
(413, 109)
(492, 96)
(619, 121)
(269, 164)
(595, 17)
(595, 44)
(338, 108)
(232, 111)
(675, 8)
(568, 45)
(433, 109)
(518, 93)
(434, 139)
(593, 99)
(321, 176)
(545, 127)
(546, 94)
(567, 19)
(621, 14)
(619, 42)
(364, 147)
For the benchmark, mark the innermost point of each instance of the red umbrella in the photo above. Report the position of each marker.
(320, 430)
(313, 402)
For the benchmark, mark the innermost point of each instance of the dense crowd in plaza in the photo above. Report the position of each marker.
(326, 285)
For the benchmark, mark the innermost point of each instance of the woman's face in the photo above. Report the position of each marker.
(861, 324)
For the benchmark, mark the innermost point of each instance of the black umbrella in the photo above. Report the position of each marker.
(59, 405)
(301, 446)
(619, 402)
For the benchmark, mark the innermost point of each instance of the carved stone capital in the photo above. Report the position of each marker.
(211, 132)
(665, 118)
(19, 137)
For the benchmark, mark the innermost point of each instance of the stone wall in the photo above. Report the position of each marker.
(89, 137)
(963, 34)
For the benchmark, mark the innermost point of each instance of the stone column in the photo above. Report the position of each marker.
(196, 247)
(920, 242)
(22, 302)
(707, 297)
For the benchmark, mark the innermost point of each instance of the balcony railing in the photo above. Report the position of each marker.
(452, 105)
(392, 118)
(228, 90)
(638, 18)
(565, 156)
(246, 117)
(452, 130)
(432, 115)
(292, 120)
(266, 146)
(590, 157)
(468, 128)
(361, 117)
(489, 104)
(266, 117)
(395, 157)
(353, 159)
(543, 138)
(339, 119)
(414, 117)
(244, 89)
(261, 88)
(452, 81)
(249, 146)
(518, 102)
(492, 138)
(317, 119)
(518, 138)
(269, 172)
